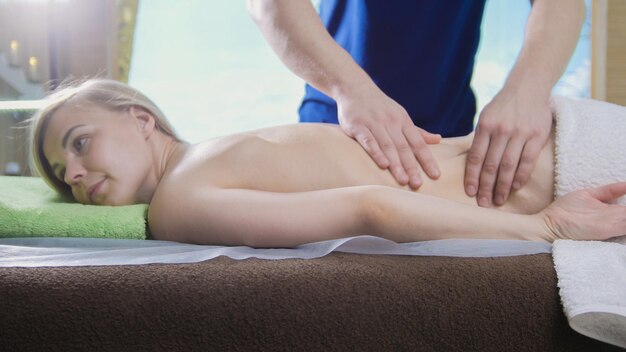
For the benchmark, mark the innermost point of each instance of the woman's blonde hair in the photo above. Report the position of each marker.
(105, 93)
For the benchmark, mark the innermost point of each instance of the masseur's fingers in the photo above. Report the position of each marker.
(527, 162)
(379, 145)
(387, 144)
(379, 123)
(489, 172)
(429, 138)
(421, 151)
(512, 129)
(507, 170)
(384, 154)
(365, 138)
(475, 159)
(405, 153)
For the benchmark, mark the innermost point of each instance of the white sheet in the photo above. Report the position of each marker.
(35, 252)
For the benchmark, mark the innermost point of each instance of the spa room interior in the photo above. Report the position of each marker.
(341, 300)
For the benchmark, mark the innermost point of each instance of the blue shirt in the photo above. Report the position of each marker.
(419, 52)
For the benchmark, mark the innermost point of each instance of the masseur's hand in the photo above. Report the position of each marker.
(388, 134)
(587, 214)
(511, 132)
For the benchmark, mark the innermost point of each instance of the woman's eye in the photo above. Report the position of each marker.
(79, 143)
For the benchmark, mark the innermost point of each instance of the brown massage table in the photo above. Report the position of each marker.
(340, 302)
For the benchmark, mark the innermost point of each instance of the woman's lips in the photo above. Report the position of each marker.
(93, 190)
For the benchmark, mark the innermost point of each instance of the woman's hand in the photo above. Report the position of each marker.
(587, 214)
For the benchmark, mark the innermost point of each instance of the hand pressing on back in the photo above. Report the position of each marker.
(387, 133)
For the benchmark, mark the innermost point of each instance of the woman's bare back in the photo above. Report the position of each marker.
(308, 157)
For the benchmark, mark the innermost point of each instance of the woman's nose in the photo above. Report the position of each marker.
(74, 171)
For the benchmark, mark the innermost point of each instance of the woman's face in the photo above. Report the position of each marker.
(103, 155)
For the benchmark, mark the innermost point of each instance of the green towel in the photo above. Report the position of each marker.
(29, 208)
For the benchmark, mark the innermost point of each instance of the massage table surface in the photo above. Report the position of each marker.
(341, 302)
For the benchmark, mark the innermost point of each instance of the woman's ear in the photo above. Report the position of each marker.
(145, 120)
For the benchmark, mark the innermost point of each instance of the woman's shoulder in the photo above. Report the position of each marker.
(298, 131)
(175, 202)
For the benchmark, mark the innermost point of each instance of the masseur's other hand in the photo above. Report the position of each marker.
(587, 214)
(388, 134)
(511, 132)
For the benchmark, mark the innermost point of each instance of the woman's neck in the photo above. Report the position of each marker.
(166, 152)
(168, 156)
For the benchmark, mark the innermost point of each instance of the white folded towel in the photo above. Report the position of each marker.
(592, 283)
(590, 144)
(590, 150)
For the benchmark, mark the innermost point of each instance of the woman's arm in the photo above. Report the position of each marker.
(256, 218)
(267, 219)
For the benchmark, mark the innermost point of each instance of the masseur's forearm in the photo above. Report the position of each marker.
(297, 35)
(551, 35)
(405, 217)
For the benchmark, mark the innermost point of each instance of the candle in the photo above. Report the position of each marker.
(14, 57)
(33, 69)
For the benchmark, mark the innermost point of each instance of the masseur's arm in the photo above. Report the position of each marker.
(515, 125)
(267, 219)
(378, 123)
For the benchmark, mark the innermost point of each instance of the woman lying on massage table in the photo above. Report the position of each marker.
(105, 143)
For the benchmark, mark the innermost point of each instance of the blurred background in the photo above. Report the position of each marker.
(206, 65)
